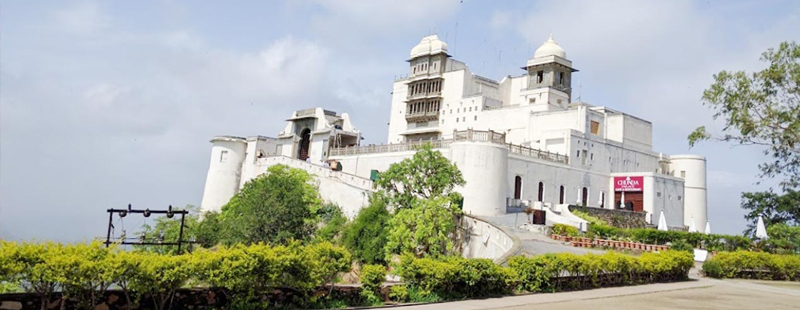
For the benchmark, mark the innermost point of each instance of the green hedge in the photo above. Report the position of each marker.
(753, 265)
(711, 242)
(455, 278)
(372, 277)
(565, 271)
(565, 230)
(244, 271)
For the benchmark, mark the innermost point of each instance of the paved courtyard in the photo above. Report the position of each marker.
(698, 294)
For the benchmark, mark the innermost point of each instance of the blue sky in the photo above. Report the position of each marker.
(105, 103)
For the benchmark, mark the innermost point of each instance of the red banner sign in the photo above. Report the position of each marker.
(628, 184)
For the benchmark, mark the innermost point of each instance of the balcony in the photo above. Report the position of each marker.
(422, 117)
(424, 95)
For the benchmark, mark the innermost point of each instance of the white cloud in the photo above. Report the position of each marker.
(84, 18)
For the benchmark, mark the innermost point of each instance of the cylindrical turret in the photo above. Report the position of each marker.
(485, 165)
(224, 171)
(692, 169)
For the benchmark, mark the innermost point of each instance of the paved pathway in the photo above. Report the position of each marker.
(532, 243)
(695, 294)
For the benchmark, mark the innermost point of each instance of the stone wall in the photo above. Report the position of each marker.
(616, 218)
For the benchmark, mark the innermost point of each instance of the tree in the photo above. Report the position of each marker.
(424, 229)
(761, 108)
(276, 207)
(205, 231)
(366, 237)
(426, 175)
(775, 208)
(331, 223)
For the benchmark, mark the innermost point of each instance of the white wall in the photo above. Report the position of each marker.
(695, 187)
(224, 172)
(484, 167)
(486, 240)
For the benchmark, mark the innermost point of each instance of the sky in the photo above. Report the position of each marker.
(106, 103)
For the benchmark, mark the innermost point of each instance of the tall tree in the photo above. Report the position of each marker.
(276, 207)
(761, 108)
(775, 208)
(428, 174)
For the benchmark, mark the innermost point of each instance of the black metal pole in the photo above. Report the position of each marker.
(110, 219)
(180, 235)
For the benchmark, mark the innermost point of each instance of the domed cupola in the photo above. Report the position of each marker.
(550, 48)
(429, 45)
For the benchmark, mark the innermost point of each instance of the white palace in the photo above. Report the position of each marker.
(520, 141)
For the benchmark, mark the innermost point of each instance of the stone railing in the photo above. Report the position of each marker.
(318, 170)
(389, 148)
(458, 136)
(522, 150)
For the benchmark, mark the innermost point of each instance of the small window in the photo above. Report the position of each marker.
(476, 117)
(558, 101)
(532, 100)
(679, 198)
(223, 157)
(458, 110)
(591, 156)
(561, 78)
(470, 109)
(442, 121)
(683, 173)
(464, 119)
(456, 119)
(595, 127)
(658, 194)
(579, 154)
(539, 76)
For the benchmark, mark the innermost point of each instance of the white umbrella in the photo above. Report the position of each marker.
(708, 228)
(692, 227)
(761, 230)
(662, 221)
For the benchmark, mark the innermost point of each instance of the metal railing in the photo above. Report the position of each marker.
(464, 135)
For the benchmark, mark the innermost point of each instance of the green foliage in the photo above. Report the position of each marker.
(545, 273)
(589, 218)
(454, 277)
(205, 231)
(276, 207)
(426, 175)
(398, 293)
(565, 230)
(332, 223)
(775, 208)
(753, 265)
(424, 229)
(783, 239)
(761, 108)
(712, 242)
(366, 236)
(372, 277)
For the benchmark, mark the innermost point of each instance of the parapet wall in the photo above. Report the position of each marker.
(484, 240)
(617, 218)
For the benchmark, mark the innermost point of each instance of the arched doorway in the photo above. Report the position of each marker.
(517, 187)
(541, 191)
(585, 196)
(305, 140)
(561, 195)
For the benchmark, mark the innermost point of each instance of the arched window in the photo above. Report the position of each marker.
(585, 196)
(517, 187)
(305, 140)
(561, 195)
(541, 191)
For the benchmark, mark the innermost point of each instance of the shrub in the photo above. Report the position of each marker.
(590, 218)
(565, 271)
(455, 277)
(366, 236)
(372, 277)
(565, 230)
(398, 293)
(753, 265)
